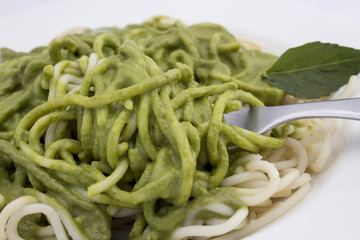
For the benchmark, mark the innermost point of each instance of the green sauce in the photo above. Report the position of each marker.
(152, 104)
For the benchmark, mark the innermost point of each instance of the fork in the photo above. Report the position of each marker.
(263, 119)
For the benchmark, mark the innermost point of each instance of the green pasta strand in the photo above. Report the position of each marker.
(111, 180)
(143, 125)
(70, 145)
(103, 42)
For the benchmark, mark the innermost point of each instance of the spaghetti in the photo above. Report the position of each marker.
(111, 128)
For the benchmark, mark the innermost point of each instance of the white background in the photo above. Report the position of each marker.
(27, 18)
(345, 9)
(332, 208)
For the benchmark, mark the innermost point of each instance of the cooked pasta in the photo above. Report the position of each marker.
(122, 130)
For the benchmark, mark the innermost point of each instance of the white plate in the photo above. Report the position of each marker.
(331, 210)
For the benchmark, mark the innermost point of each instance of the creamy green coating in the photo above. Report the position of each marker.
(142, 128)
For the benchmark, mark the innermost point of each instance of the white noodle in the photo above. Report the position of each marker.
(242, 177)
(213, 230)
(216, 207)
(301, 180)
(318, 164)
(49, 212)
(300, 151)
(349, 88)
(66, 219)
(286, 164)
(269, 216)
(93, 60)
(47, 231)
(120, 212)
(288, 178)
(257, 196)
(12, 208)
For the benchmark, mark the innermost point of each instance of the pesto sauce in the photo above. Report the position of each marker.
(128, 107)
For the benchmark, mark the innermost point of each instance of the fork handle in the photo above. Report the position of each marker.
(342, 108)
(277, 115)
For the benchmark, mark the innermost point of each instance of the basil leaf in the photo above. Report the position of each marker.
(314, 70)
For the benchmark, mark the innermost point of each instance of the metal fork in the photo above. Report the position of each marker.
(263, 119)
